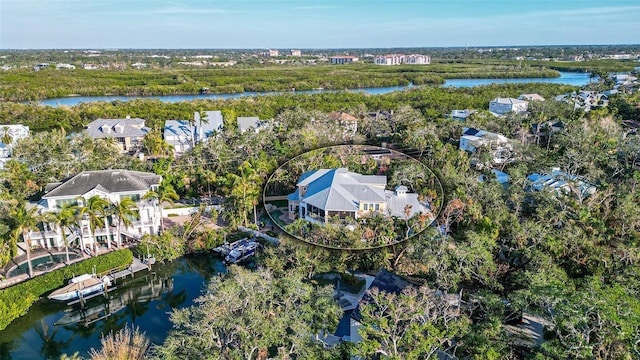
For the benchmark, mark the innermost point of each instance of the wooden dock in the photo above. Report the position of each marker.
(115, 274)
(136, 265)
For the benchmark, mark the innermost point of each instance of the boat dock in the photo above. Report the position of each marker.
(115, 274)
(136, 265)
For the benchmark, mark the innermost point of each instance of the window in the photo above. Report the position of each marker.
(60, 203)
(134, 197)
(365, 207)
(377, 207)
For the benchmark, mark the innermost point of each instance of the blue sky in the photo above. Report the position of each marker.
(314, 23)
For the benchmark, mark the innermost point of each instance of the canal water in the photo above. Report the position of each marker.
(568, 78)
(51, 329)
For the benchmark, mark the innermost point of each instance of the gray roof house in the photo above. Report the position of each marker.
(112, 185)
(246, 123)
(390, 283)
(325, 193)
(129, 132)
(502, 106)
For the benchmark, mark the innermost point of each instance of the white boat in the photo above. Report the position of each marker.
(242, 251)
(82, 285)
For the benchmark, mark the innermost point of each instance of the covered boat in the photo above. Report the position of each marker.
(82, 285)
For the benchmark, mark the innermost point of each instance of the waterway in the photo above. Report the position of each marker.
(51, 328)
(568, 78)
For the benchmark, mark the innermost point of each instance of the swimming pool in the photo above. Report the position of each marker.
(42, 263)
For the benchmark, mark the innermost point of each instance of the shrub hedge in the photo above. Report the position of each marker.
(16, 300)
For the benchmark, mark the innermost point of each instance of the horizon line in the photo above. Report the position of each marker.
(325, 48)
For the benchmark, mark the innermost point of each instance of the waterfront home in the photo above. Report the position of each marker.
(498, 145)
(390, 283)
(502, 106)
(585, 100)
(183, 135)
(112, 185)
(326, 193)
(128, 132)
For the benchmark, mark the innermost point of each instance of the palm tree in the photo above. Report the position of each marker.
(67, 219)
(124, 211)
(164, 194)
(6, 137)
(95, 209)
(245, 188)
(24, 220)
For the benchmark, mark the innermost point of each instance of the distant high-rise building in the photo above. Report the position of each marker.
(296, 52)
(397, 59)
(272, 53)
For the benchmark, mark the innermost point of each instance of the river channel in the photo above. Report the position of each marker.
(51, 329)
(568, 78)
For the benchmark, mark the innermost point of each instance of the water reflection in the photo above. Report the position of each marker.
(51, 329)
(51, 348)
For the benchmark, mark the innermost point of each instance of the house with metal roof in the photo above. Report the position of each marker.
(129, 132)
(249, 122)
(112, 185)
(184, 135)
(498, 145)
(326, 193)
(461, 115)
(502, 106)
(561, 182)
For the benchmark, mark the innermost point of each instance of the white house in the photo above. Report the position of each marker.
(9, 136)
(183, 135)
(325, 193)
(498, 145)
(343, 59)
(461, 115)
(506, 105)
(113, 185)
(250, 122)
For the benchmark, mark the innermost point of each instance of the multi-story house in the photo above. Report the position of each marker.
(397, 59)
(112, 185)
(506, 105)
(183, 134)
(128, 132)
